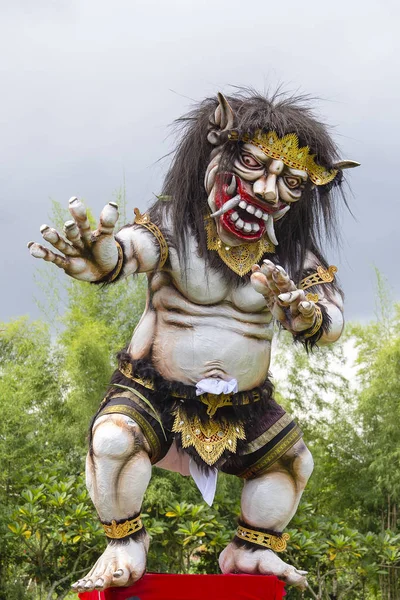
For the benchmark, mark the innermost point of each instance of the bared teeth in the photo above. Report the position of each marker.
(250, 209)
(255, 227)
(239, 224)
(258, 213)
(247, 227)
(243, 204)
(234, 216)
(265, 217)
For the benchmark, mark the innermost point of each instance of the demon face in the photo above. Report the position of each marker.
(252, 192)
(255, 191)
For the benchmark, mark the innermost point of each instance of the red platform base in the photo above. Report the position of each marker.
(196, 587)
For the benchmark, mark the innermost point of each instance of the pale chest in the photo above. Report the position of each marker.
(202, 285)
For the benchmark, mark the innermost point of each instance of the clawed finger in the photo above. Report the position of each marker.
(73, 234)
(54, 238)
(292, 300)
(108, 219)
(39, 251)
(79, 213)
(307, 309)
(282, 280)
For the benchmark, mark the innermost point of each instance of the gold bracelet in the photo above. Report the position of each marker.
(317, 323)
(267, 540)
(144, 220)
(118, 266)
(128, 527)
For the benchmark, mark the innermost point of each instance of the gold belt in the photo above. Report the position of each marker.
(212, 401)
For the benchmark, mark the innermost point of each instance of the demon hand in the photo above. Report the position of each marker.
(287, 303)
(86, 255)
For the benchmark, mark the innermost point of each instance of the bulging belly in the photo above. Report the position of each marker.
(193, 349)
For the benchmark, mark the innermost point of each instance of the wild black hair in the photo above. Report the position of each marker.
(308, 220)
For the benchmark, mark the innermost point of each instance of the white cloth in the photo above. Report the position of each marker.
(213, 385)
(181, 462)
(206, 482)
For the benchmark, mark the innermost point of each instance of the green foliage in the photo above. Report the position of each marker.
(56, 528)
(346, 532)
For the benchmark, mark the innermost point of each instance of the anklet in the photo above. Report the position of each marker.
(274, 541)
(118, 530)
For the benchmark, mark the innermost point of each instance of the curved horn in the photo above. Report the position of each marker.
(346, 164)
(224, 116)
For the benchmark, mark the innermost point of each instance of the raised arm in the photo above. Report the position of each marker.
(314, 315)
(98, 256)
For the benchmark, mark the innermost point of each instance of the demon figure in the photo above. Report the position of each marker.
(230, 247)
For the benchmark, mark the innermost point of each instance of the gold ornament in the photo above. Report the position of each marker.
(317, 323)
(274, 542)
(210, 439)
(312, 297)
(287, 150)
(144, 220)
(128, 527)
(239, 259)
(320, 277)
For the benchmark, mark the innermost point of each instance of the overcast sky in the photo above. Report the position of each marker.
(89, 87)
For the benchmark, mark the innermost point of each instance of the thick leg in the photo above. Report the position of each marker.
(269, 502)
(118, 471)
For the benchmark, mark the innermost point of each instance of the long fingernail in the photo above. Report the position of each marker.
(285, 297)
(43, 228)
(69, 224)
(113, 204)
(99, 584)
(305, 304)
(73, 199)
(29, 244)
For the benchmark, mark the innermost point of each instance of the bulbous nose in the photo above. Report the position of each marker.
(266, 189)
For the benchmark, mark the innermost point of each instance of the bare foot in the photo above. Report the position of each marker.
(119, 565)
(261, 562)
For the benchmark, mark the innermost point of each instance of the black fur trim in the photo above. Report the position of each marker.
(240, 543)
(310, 342)
(144, 369)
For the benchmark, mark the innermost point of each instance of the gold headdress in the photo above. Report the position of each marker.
(287, 149)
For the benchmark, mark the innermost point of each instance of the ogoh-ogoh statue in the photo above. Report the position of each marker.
(230, 246)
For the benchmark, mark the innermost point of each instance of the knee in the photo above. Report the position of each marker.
(303, 464)
(116, 437)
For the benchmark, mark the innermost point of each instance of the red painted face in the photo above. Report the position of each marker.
(247, 220)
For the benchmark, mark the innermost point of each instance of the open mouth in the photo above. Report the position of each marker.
(240, 213)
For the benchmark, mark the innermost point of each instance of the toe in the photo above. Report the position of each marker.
(99, 584)
(121, 577)
(89, 585)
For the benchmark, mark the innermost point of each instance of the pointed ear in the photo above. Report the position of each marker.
(346, 164)
(221, 121)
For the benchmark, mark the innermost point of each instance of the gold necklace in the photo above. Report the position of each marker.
(239, 259)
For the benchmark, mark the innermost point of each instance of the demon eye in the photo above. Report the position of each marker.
(293, 182)
(249, 161)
